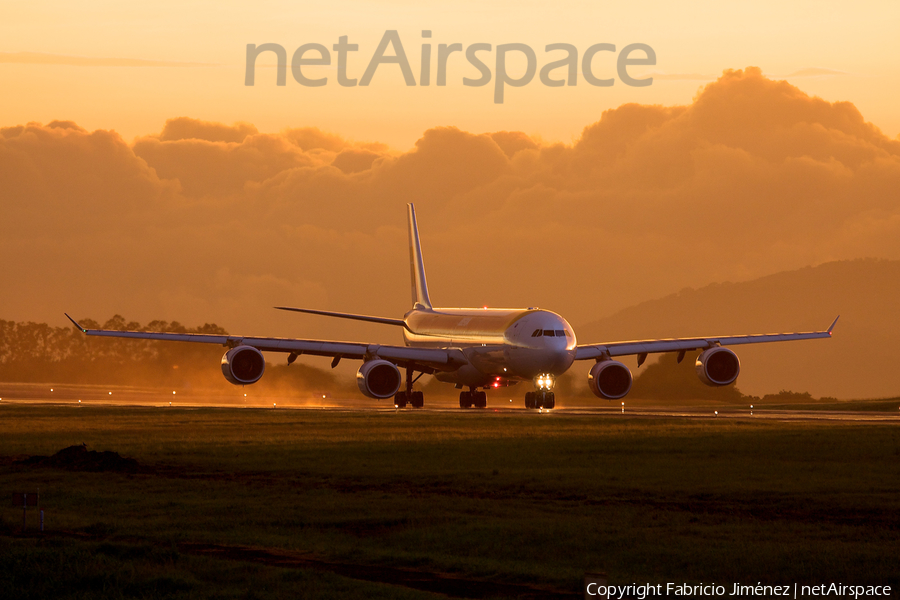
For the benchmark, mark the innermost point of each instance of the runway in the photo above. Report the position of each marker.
(883, 411)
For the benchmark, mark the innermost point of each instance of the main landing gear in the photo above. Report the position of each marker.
(540, 399)
(472, 398)
(414, 399)
(408, 396)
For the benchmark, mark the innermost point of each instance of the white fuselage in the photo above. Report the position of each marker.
(501, 345)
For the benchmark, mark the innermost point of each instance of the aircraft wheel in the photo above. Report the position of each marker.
(417, 400)
(400, 400)
(465, 400)
(549, 400)
(529, 399)
(479, 400)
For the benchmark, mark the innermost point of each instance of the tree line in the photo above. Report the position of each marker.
(39, 353)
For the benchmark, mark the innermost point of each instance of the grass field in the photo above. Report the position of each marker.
(252, 503)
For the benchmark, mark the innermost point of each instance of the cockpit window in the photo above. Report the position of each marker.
(551, 333)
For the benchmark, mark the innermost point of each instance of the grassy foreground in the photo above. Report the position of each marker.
(502, 497)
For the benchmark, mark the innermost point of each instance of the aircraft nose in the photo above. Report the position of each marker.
(558, 360)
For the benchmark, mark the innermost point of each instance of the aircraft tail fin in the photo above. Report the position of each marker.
(416, 264)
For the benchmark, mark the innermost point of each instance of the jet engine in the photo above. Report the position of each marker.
(243, 365)
(378, 379)
(610, 379)
(718, 366)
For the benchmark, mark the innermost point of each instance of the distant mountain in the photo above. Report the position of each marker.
(862, 359)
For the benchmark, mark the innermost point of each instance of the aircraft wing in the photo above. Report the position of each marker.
(441, 359)
(644, 347)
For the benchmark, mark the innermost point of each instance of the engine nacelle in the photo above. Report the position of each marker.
(610, 379)
(378, 379)
(718, 366)
(243, 365)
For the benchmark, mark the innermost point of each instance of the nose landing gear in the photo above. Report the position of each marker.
(540, 399)
(543, 397)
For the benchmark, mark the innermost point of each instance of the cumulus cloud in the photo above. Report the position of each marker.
(751, 178)
(185, 128)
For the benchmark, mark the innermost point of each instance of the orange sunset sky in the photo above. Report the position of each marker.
(139, 175)
(195, 54)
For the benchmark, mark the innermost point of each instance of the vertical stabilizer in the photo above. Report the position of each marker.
(416, 265)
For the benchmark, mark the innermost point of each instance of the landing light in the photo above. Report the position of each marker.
(544, 381)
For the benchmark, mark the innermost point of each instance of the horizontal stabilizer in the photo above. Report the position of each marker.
(382, 320)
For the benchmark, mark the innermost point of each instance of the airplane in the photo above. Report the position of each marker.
(474, 348)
